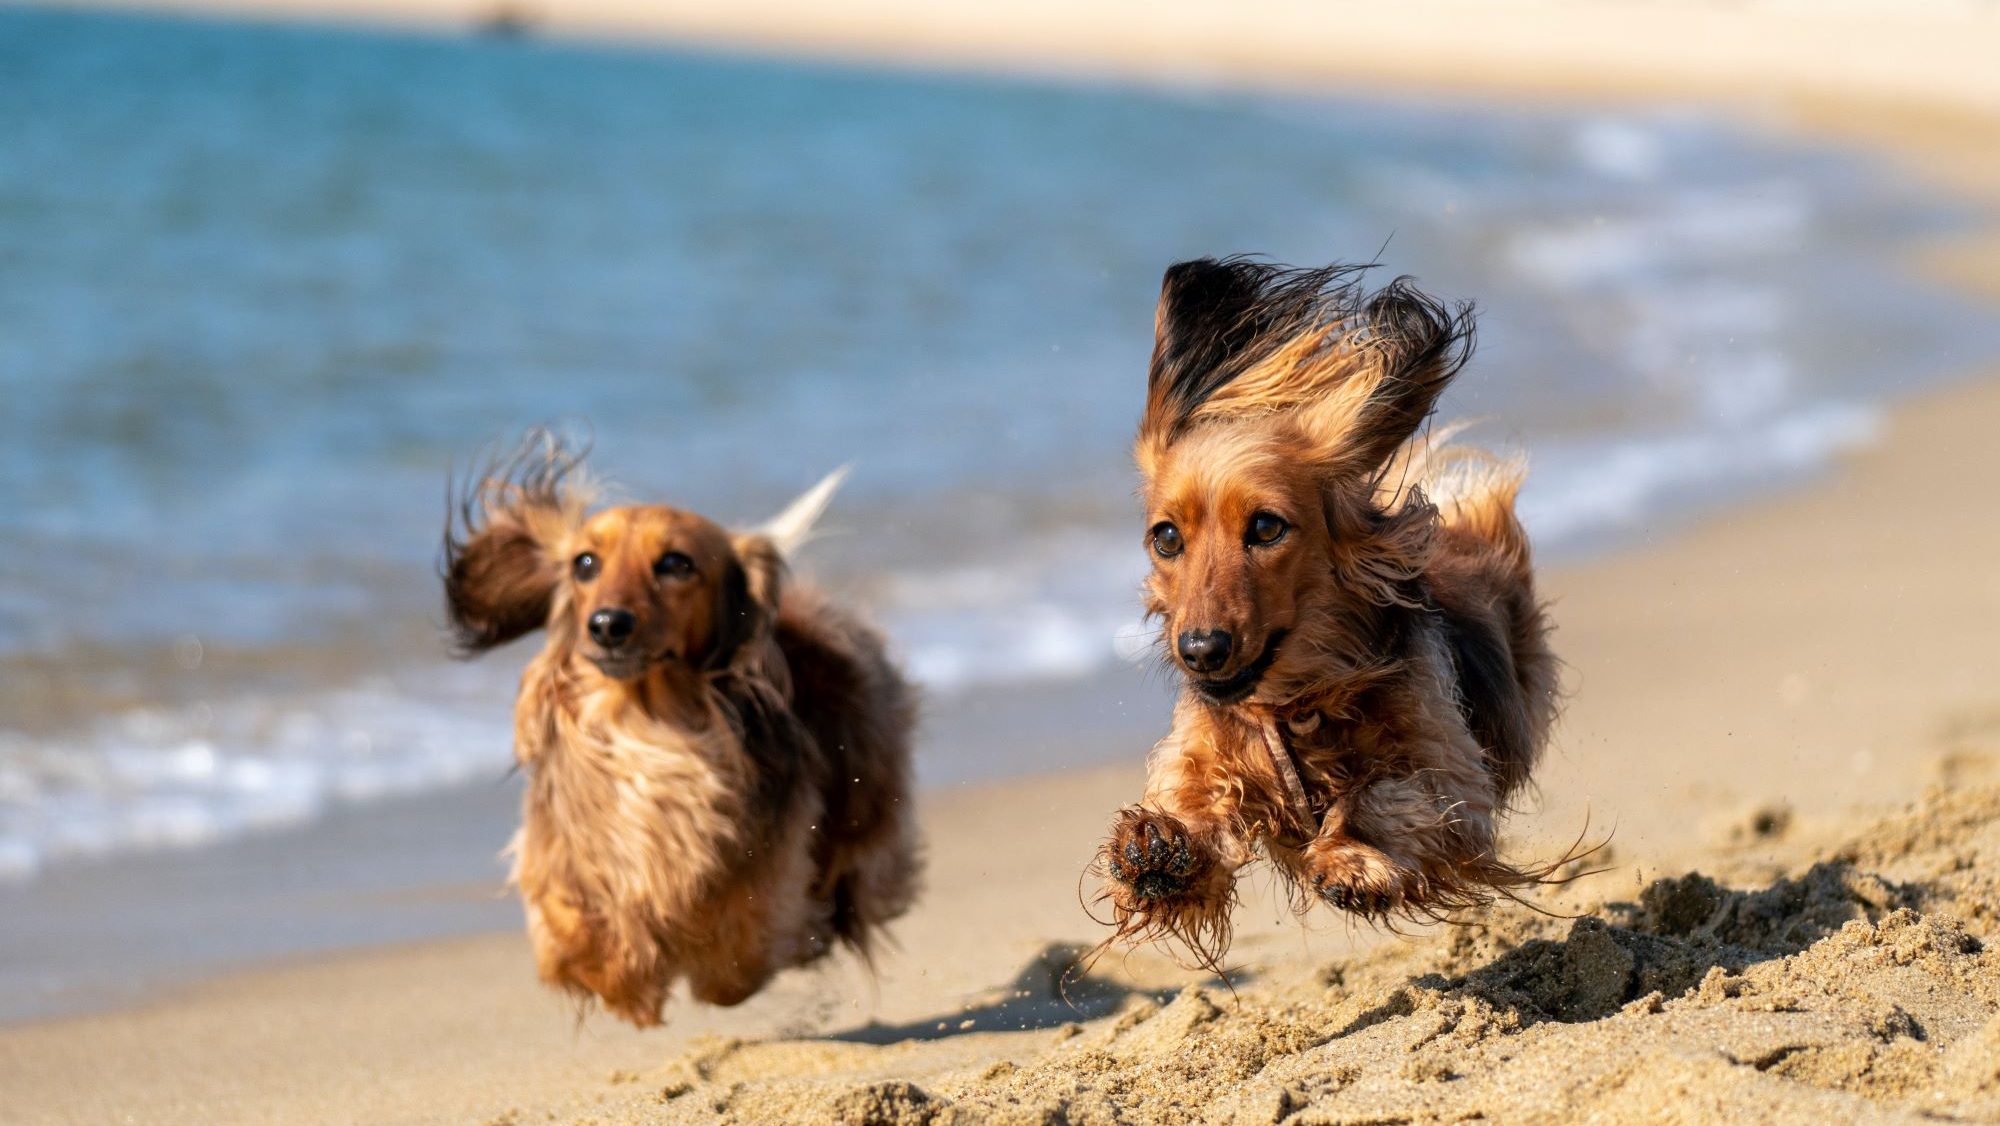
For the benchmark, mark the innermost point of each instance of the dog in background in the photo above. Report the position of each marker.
(1367, 678)
(718, 759)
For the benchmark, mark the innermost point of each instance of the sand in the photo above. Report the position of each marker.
(1933, 52)
(1790, 714)
(1864, 985)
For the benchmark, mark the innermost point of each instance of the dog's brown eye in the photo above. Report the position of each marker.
(1267, 529)
(673, 565)
(584, 567)
(1166, 540)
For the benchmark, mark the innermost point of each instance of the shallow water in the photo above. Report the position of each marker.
(264, 285)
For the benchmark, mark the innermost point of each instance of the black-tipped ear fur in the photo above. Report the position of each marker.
(499, 576)
(751, 587)
(1423, 345)
(1218, 317)
(1206, 315)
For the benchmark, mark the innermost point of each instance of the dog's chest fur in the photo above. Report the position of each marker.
(1336, 745)
(628, 808)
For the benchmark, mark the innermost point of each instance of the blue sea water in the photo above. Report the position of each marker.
(261, 287)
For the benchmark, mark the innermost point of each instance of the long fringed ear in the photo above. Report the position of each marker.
(1207, 316)
(1414, 346)
(1220, 319)
(1355, 373)
(755, 579)
(501, 533)
(751, 586)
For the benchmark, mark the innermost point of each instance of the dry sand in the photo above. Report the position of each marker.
(1932, 52)
(1751, 699)
(1863, 986)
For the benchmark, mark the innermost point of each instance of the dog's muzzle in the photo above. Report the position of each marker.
(1240, 684)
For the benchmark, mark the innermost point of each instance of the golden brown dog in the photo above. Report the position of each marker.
(1366, 674)
(718, 760)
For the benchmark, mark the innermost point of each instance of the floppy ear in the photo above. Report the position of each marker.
(1414, 345)
(1207, 316)
(1232, 337)
(499, 565)
(751, 585)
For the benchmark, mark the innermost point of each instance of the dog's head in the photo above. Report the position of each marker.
(1278, 408)
(625, 590)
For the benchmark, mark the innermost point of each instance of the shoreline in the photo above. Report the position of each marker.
(1827, 644)
(1959, 258)
(456, 1029)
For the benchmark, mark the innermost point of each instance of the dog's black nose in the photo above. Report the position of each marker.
(612, 627)
(1204, 650)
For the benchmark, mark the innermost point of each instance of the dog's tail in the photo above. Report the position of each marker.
(789, 530)
(1473, 489)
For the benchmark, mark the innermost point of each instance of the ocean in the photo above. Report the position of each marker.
(263, 287)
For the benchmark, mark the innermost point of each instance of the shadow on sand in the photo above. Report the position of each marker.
(1052, 990)
(1681, 930)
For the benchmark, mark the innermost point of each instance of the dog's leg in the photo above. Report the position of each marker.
(581, 954)
(876, 881)
(1423, 841)
(1159, 856)
(730, 983)
(738, 960)
(766, 921)
(1172, 859)
(1344, 870)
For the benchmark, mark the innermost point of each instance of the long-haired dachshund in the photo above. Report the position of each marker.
(718, 759)
(1367, 679)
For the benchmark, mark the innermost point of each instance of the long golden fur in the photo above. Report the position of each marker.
(1367, 680)
(718, 759)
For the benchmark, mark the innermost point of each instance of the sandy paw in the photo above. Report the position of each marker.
(1357, 878)
(1152, 855)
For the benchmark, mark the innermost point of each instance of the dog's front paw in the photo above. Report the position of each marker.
(1153, 858)
(1358, 878)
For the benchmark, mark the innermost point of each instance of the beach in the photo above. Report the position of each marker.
(1795, 696)
(1685, 726)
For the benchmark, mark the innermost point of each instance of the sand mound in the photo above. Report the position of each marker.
(1865, 985)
